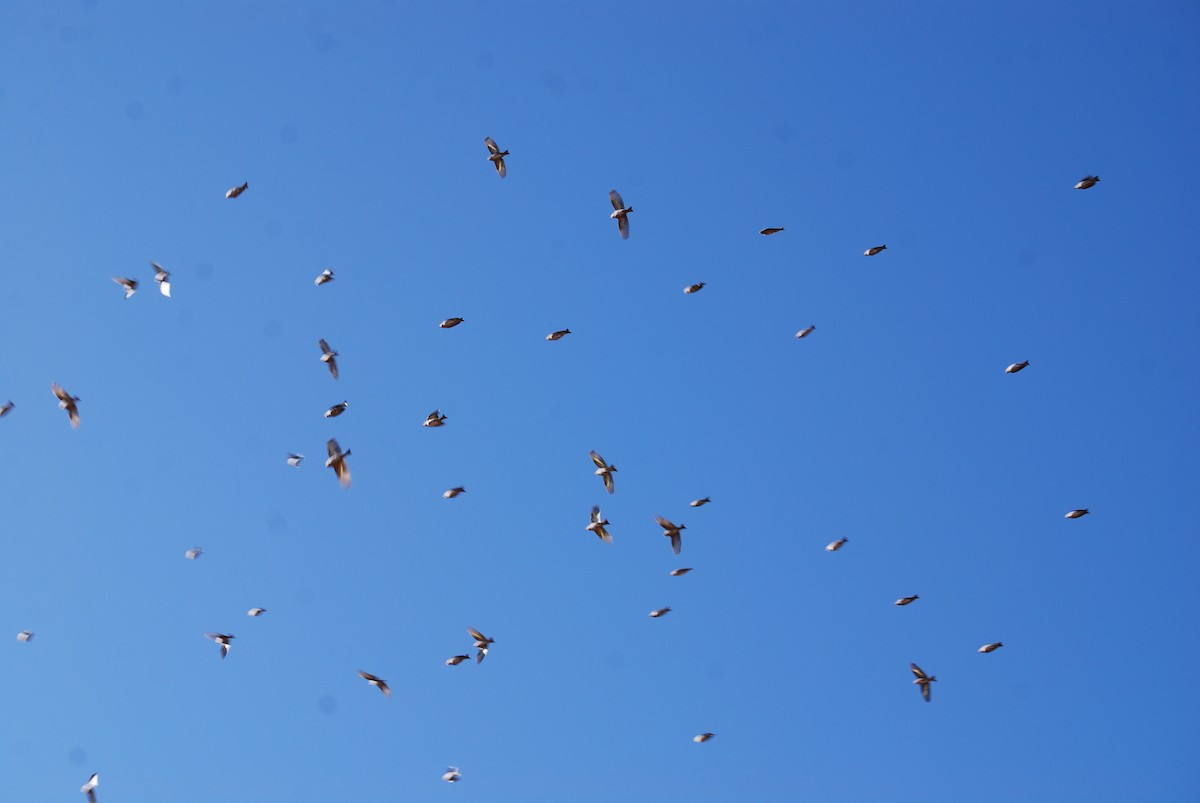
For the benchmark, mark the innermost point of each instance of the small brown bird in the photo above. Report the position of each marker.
(222, 639)
(336, 410)
(481, 644)
(329, 357)
(452, 775)
(337, 462)
(1074, 514)
(836, 545)
(699, 502)
(256, 611)
(603, 470)
(450, 323)
(1087, 182)
(1016, 366)
(163, 277)
(455, 660)
(453, 492)
(234, 192)
(995, 645)
(6, 409)
(680, 572)
(907, 600)
(672, 531)
(694, 288)
(598, 524)
(496, 156)
(559, 335)
(325, 277)
(67, 402)
(922, 680)
(89, 788)
(659, 612)
(193, 553)
(870, 252)
(621, 213)
(771, 230)
(434, 419)
(130, 285)
(803, 333)
(378, 683)
(701, 738)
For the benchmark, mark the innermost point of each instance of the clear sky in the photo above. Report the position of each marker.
(953, 132)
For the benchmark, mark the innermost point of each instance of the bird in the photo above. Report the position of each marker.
(234, 192)
(694, 288)
(870, 252)
(453, 492)
(620, 213)
(1075, 514)
(378, 683)
(701, 738)
(771, 230)
(193, 553)
(559, 335)
(803, 333)
(325, 277)
(89, 788)
(337, 462)
(598, 524)
(329, 357)
(7, 408)
(836, 545)
(995, 645)
(680, 572)
(455, 660)
(256, 611)
(130, 285)
(671, 531)
(67, 402)
(336, 410)
(163, 277)
(294, 460)
(603, 470)
(25, 635)
(450, 323)
(699, 502)
(222, 639)
(452, 775)
(922, 680)
(659, 612)
(434, 419)
(1016, 366)
(496, 156)
(1087, 182)
(907, 600)
(481, 644)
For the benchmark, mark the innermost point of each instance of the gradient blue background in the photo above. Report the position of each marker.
(953, 132)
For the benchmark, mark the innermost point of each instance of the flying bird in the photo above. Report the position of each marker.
(995, 645)
(481, 644)
(496, 156)
(1016, 366)
(193, 553)
(603, 470)
(6, 409)
(452, 775)
(130, 285)
(450, 323)
(771, 230)
(680, 572)
(908, 600)
(836, 545)
(223, 640)
(453, 492)
(337, 462)
(1087, 182)
(163, 277)
(701, 738)
(25, 635)
(89, 788)
(434, 419)
(559, 335)
(620, 213)
(870, 252)
(803, 333)
(699, 502)
(922, 680)
(598, 524)
(671, 531)
(67, 402)
(1074, 514)
(294, 460)
(659, 612)
(455, 660)
(256, 611)
(234, 192)
(378, 683)
(336, 410)
(694, 288)
(325, 277)
(329, 357)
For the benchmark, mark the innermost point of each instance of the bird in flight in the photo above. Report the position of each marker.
(481, 644)
(908, 600)
(620, 213)
(453, 492)
(680, 572)
(89, 788)
(559, 335)
(455, 660)
(660, 612)
(6, 408)
(771, 230)
(672, 531)
(603, 470)
(598, 524)
(452, 775)
(450, 323)
(378, 683)
(163, 277)
(294, 460)
(193, 553)
(130, 285)
(67, 402)
(496, 156)
(234, 192)
(25, 635)
(325, 277)
(1087, 182)
(337, 462)
(256, 611)
(870, 252)
(221, 639)
(699, 502)
(337, 409)
(1016, 366)
(803, 333)
(922, 680)
(434, 419)
(329, 357)
(995, 645)
(694, 288)
(836, 545)
(1075, 514)
(701, 738)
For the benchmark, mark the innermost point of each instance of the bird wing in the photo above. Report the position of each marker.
(73, 412)
(324, 346)
(500, 168)
(597, 459)
(491, 144)
(608, 481)
(333, 447)
(925, 691)
(676, 541)
(332, 361)
(343, 473)
(623, 226)
(666, 525)
(475, 634)
(916, 670)
(615, 197)
(383, 687)
(595, 514)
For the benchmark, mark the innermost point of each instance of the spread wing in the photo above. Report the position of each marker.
(597, 459)
(666, 525)
(500, 168)
(608, 482)
(333, 447)
(623, 226)
(925, 691)
(676, 541)
(916, 670)
(491, 144)
(475, 634)
(615, 197)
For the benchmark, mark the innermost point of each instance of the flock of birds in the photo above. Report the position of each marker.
(598, 525)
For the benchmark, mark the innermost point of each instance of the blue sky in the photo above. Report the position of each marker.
(952, 132)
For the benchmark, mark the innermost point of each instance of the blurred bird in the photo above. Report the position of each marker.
(621, 213)
(7, 408)
(694, 288)
(496, 156)
(256, 611)
(329, 357)
(699, 502)
(995, 645)
(67, 402)
(452, 775)
(434, 419)
(193, 553)
(1016, 366)
(680, 572)
(336, 410)
(803, 333)
(450, 323)
(89, 788)
(325, 277)
(836, 545)
(870, 252)
(337, 462)
(771, 230)
(1087, 182)
(1074, 514)
(378, 683)
(223, 640)
(603, 470)
(702, 737)
(923, 681)
(455, 660)
(130, 285)
(598, 524)
(294, 460)
(907, 600)
(671, 531)
(659, 612)
(481, 644)
(25, 635)
(234, 192)
(453, 492)
(163, 277)
(559, 335)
